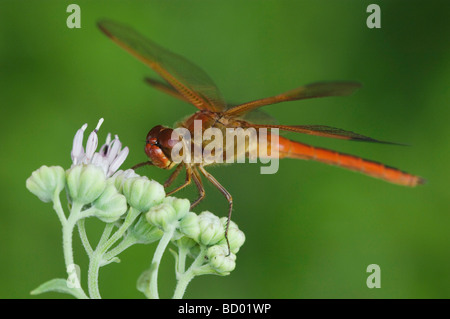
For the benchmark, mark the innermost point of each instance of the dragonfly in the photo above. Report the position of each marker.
(189, 83)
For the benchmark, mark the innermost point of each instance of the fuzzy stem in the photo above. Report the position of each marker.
(94, 266)
(186, 277)
(152, 290)
(84, 238)
(67, 230)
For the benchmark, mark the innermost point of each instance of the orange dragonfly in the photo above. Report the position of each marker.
(189, 83)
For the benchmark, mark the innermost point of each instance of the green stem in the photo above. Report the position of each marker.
(84, 238)
(129, 219)
(186, 277)
(59, 210)
(124, 244)
(94, 266)
(152, 291)
(105, 235)
(98, 256)
(67, 230)
(182, 253)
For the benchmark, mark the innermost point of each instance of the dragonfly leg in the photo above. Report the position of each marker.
(142, 164)
(227, 196)
(173, 176)
(201, 190)
(187, 181)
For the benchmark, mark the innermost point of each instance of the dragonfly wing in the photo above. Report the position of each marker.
(164, 87)
(314, 90)
(185, 77)
(321, 130)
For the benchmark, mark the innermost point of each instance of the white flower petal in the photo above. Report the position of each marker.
(114, 149)
(77, 149)
(114, 166)
(110, 156)
(91, 144)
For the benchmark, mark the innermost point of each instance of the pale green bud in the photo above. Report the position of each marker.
(110, 205)
(46, 182)
(142, 193)
(219, 259)
(161, 215)
(185, 242)
(236, 237)
(144, 232)
(192, 247)
(211, 229)
(181, 206)
(119, 178)
(190, 226)
(171, 210)
(85, 183)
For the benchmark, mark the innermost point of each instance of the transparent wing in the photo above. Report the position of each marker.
(314, 90)
(321, 130)
(188, 79)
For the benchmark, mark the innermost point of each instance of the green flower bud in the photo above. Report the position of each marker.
(161, 215)
(236, 237)
(119, 178)
(46, 182)
(142, 193)
(110, 205)
(181, 206)
(185, 242)
(144, 232)
(219, 261)
(190, 245)
(211, 229)
(171, 210)
(85, 183)
(190, 226)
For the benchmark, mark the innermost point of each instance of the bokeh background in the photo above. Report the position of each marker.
(311, 229)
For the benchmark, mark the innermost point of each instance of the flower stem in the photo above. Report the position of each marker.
(129, 219)
(152, 291)
(186, 277)
(58, 209)
(67, 230)
(84, 238)
(100, 256)
(94, 266)
(124, 244)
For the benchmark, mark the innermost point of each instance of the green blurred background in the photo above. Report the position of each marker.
(311, 229)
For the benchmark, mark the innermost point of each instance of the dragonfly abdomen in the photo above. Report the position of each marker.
(293, 149)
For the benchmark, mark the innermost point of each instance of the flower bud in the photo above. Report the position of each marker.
(171, 210)
(190, 226)
(85, 183)
(161, 215)
(236, 237)
(46, 182)
(110, 205)
(181, 206)
(144, 232)
(142, 193)
(219, 259)
(211, 229)
(185, 242)
(119, 178)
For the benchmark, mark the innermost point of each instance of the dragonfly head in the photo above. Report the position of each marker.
(158, 147)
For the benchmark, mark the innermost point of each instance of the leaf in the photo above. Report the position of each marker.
(59, 285)
(143, 282)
